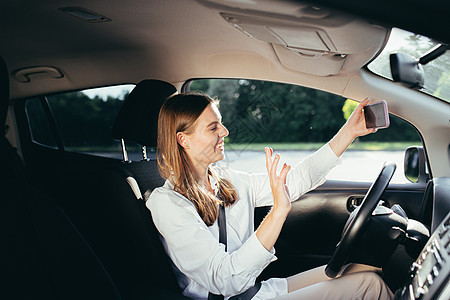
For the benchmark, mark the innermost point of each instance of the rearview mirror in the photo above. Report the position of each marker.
(415, 165)
(407, 70)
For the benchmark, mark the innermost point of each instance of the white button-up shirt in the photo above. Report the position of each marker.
(200, 261)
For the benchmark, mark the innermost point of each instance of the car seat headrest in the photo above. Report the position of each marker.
(137, 120)
(4, 94)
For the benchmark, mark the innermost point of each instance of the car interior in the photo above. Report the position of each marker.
(74, 220)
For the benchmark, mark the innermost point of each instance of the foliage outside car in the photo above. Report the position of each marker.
(255, 112)
(437, 76)
(290, 116)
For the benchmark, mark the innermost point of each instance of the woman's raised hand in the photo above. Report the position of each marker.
(353, 128)
(356, 123)
(280, 192)
(271, 226)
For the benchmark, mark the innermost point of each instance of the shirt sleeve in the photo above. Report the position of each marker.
(303, 177)
(198, 254)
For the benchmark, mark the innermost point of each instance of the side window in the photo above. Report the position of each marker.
(82, 119)
(295, 121)
(40, 127)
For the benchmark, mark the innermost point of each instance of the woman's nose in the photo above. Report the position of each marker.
(224, 132)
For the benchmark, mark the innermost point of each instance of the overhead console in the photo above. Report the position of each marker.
(305, 38)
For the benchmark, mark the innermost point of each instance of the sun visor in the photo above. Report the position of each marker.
(303, 45)
(306, 61)
(296, 36)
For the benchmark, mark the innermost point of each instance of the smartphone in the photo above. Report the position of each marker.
(376, 115)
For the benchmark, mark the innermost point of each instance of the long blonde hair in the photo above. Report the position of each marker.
(178, 114)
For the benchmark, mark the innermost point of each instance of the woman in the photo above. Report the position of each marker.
(185, 210)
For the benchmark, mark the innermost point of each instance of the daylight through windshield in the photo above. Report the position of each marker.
(437, 72)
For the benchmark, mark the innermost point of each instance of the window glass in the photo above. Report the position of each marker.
(295, 121)
(437, 71)
(40, 129)
(84, 120)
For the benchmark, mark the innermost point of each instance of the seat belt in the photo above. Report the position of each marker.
(222, 223)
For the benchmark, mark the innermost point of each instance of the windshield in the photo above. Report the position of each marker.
(437, 72)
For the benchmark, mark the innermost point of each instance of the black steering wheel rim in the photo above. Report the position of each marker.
(358, 224)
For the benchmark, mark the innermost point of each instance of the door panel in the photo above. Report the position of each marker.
(314, 225)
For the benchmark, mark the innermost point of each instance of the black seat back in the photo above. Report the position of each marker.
(108, 203)
(43, 255)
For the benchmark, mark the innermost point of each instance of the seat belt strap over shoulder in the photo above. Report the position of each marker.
(222, 223)
(251, 292)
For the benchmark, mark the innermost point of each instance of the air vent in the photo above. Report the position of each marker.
(84, 14)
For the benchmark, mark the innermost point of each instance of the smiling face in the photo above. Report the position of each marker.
(206, 144)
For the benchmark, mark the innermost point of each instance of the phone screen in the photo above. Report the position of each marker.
(376, 115)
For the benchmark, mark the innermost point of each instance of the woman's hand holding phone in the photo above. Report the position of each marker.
(353, 128)
(376, 115)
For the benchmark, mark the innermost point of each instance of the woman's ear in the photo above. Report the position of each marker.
(183, 140)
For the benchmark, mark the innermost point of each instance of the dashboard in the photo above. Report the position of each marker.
(429, 274)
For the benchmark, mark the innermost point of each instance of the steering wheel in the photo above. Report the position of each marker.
(356, 226)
